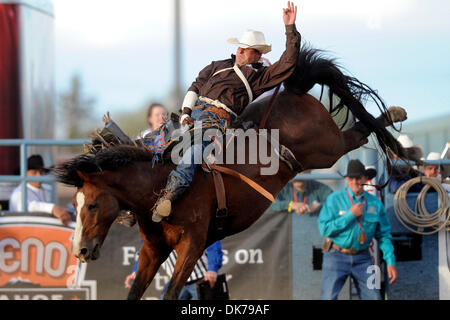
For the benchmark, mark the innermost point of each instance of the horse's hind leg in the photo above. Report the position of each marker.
(150, 259)
(189, 251)
(356, 136)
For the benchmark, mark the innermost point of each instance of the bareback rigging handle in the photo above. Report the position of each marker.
(268, 109)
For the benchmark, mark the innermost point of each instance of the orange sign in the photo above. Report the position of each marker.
(36, 252)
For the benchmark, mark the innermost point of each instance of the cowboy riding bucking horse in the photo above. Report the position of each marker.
(223, 89)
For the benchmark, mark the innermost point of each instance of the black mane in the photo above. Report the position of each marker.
(112, 158)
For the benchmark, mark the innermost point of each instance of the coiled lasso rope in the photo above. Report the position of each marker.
(420, 219)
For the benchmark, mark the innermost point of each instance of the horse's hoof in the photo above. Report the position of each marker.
(156, 217)
(397, 114)
(164, 208)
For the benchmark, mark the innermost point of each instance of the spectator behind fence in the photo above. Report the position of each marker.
(432, 171)
(350, 219)
(301, 196)
(206, 269)
(38, 198)
(157, 115)
(401, 174)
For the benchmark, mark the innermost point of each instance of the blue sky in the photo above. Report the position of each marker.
(123, 50)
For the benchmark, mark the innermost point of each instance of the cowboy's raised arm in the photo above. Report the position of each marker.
(290, 14)
(289, 56)
(270, 77)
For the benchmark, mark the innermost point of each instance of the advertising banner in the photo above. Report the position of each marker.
(36, 261)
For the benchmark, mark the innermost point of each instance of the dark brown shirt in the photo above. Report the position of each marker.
(229, 89)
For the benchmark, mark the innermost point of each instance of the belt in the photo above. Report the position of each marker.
(217, 104)
(348, 251)
(220, 112)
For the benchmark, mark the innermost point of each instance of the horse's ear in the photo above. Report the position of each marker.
(83, 176)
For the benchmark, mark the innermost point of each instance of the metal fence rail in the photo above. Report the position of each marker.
(337, 176)
(23, 144)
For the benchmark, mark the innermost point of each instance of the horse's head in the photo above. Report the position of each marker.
(102, 191)
(96, 210)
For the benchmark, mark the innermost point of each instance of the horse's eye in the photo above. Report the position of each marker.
(92, 206)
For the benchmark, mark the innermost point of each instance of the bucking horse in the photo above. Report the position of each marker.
(125, 177)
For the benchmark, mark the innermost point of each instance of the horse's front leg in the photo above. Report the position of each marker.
(150, 259)
(189, 251)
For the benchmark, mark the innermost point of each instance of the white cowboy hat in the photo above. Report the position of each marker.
(405, 141)
(434, 156)
(413, 151)
(252, 39)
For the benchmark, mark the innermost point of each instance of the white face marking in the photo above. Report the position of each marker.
(79, 226)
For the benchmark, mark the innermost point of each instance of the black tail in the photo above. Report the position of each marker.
(313, 68)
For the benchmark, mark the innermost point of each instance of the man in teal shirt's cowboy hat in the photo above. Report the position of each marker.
(350, 219)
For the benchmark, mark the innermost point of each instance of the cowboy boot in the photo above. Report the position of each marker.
(163, 205)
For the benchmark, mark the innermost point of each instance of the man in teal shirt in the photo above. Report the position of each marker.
(350, 219)
(301, 196)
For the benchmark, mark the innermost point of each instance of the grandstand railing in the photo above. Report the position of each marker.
(24, 143)
(337, 176)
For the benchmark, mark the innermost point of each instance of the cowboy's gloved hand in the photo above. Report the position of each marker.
(186, 120)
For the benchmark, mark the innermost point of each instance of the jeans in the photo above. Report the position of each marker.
(336, 268)
(184, 173)
(188, 292)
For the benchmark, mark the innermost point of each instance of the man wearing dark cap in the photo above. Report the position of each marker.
(350, 219)
(37, 197)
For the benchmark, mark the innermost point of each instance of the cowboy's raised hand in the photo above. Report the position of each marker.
(289, 14)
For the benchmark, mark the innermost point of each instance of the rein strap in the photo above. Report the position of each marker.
(243, 178)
